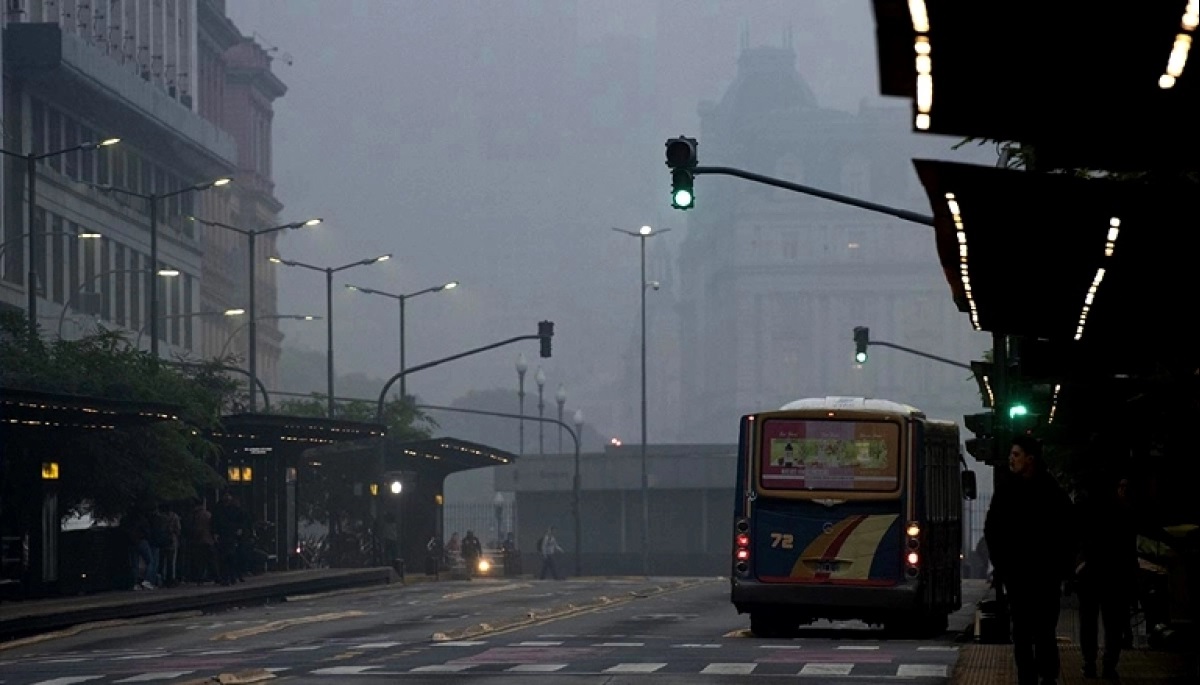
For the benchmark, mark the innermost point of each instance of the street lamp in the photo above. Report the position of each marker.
(329, 271)
(251, 236)
(277, 317)
(575, 494)
(522, 367)
(642, 234)
(540, 378)
(152, 201)
(402, 298)
(561, 398)
(31, 160)
(165, 273)
(228, 312)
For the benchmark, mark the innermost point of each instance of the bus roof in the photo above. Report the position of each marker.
(868, 404)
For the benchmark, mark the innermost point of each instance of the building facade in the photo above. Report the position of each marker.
(772, 282)
(190, 99)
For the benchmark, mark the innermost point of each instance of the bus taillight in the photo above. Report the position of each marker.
(741, 543)
(912, 559)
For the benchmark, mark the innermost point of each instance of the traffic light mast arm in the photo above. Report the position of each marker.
(796, 187)
(934, 357)
(437, 362)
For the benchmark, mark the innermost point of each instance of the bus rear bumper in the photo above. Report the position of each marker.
(822, 600)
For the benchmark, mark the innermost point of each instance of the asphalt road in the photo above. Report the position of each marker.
(660, 631)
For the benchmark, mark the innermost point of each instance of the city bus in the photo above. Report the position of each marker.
(848, 508)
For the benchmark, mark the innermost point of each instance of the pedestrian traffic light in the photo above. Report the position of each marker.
(862, 338)
(1017, 409)
(682, 159)
(545, 332)
(983, 445)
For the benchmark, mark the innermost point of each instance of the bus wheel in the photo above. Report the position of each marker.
(770, 625)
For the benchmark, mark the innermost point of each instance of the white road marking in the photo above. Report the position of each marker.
(442, 668)
(859, 647)
(634, 668)
(537, 643)
(619, 644)
(729, 669)
(826, 669)
(376, 645)
(460, 643)
(536, 668)
(921, 671)
(153, 675)
(343, 670)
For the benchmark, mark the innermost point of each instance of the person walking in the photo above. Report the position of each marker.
(1029, 536)
(548, 546)
(1106, 572)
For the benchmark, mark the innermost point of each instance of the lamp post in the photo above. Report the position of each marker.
(165, 273)
(402, 298)
(575, 494)
(152, 201)
(642, 234)
(31, 160)
(329, 271)
(228, 312)
(276, 317)
(561, 398)
(251, 236)
(522, 367)
(540, 379)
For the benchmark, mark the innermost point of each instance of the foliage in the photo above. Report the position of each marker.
(1023, 156)
(401, 417)
(109, 471)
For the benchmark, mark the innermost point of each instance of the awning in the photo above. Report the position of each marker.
(257, 429)
(1081, 81)
(1039, 255)
(33, 409)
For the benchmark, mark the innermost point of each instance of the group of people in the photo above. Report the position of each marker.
(468, 551)
(1040, 541)
(216, 546)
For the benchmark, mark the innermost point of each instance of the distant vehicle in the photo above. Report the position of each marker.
(848, 508)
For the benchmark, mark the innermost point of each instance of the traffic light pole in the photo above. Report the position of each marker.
(437, 362)
(815, 192)
(934, 357)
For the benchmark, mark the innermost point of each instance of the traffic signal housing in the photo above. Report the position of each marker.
(682, 159)
(862, 338)
(983, 445)
(546, 333)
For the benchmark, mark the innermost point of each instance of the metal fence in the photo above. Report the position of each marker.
(480, 518)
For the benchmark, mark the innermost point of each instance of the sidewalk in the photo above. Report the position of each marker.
(987, 664)
(30, 617)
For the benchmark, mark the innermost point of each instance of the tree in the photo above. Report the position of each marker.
(505, 433)
(107, 472)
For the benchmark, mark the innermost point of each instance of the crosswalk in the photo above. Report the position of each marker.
(548, 654)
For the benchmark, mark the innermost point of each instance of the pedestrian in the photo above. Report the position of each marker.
(389, 531)
(1031, 544)
(167, 529)
(548, 547)
(472, 550)
(1106, 571)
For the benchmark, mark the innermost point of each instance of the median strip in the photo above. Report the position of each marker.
(286, 623)
(534, 617)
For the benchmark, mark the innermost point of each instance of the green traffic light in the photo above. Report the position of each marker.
(860, 357)
(682, 198)
(1017, 410)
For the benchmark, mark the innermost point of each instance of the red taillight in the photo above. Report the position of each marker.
(743, 540)
(743, 554)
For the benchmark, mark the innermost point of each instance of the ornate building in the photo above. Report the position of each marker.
(772, 282)
(190, 98)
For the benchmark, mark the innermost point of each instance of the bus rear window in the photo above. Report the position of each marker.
(799, 454)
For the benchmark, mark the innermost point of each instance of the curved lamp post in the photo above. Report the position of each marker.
(31, 160)
(251, 236)
(228, 312)
(402, 298)
(642, 234)
(269, 317)
(329, 271)
(561, 398)
(152, 201)
(540, 379)
(165, 273)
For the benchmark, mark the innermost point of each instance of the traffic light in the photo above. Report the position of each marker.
(682, 159)
(862, 338)
(545, 332)
(1020, 418)
(983, 445)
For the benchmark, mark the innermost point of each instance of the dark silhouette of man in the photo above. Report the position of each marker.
(1029, 535)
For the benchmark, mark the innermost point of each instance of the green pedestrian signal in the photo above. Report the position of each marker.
(1017, 410)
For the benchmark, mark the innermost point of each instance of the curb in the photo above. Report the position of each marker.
(535, 616)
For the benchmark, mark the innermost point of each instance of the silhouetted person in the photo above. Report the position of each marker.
(1107, 571)
(1028, 534)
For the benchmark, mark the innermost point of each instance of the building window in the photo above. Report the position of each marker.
(52, 277)
(121, 280)
(38, 128)
(135, 291)
(54, 137)
(106, 266)
(70, 140)
(87, 164)
(188, 283)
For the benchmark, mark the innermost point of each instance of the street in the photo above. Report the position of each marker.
(668, 630)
